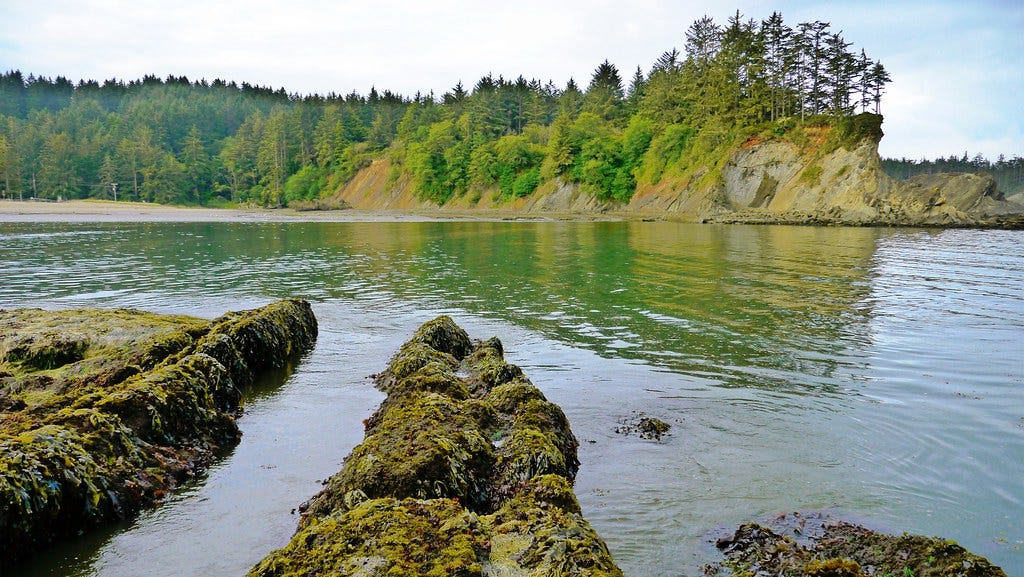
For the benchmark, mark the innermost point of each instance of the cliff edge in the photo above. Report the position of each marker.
(823, 172)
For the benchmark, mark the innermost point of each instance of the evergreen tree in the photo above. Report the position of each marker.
(878, 78)
(195, 162)
(604, 94)
(6, 167)
(812, 45)
(107, 184)
(635, 93)
(571, 100)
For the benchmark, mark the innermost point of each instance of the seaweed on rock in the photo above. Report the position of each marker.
(843, 549)
(466, 442)
(106, 410)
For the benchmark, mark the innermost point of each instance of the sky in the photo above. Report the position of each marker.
(957, 67)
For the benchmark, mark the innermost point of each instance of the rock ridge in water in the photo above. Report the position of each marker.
(466, 469)
(104, 411)
(811, 545)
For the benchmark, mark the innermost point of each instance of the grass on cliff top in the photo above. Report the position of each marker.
(697, 157)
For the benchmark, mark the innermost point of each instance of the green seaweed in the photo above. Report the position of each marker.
(425, 446)
(435, 538)
(464, 438)
(847, 550)
(144, 402)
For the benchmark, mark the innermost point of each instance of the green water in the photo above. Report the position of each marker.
(877, 373)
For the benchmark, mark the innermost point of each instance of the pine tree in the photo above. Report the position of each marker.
(604, 94)
(812, 45)
(195, 161)
(778, 63)
(107, 184)
(635, 93)
(840, 74)
(571, 100)
(669, 61)
(879, 78)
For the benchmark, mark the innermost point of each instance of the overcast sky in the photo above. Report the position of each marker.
(957, 67)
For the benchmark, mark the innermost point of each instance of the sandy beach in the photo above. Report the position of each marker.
(108, 211)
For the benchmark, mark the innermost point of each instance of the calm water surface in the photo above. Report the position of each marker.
(875, 372)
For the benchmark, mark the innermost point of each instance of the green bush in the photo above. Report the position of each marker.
(304, 184)
(526, 182)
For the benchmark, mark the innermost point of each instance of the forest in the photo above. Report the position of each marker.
(218, 143)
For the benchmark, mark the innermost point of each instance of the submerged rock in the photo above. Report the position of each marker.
(104, 411)
(651, 428)
(466, 469)
(842, 549)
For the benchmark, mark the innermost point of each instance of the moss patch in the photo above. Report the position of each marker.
(435, 538)
(105, 411)
(465, 441)
(847, 550)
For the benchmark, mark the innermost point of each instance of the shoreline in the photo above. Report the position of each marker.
(110, 211)
(85, 211)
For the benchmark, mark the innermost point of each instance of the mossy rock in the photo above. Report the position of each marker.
(476, 448)
(136, 403)
(410, 359)
(540, 531)
(444, 335)
(434, 538)
(425, 446)
(846, 550)
(512, 397)
(487, 367)
(549, 418)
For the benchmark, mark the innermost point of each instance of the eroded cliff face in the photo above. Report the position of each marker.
(774, 181)
(780, 182)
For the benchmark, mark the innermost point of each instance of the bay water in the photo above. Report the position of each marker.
(876, 374)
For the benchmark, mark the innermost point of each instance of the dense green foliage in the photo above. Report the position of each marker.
(1009, 173)
(182, 142)
(177, 141)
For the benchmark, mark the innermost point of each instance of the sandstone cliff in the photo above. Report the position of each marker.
(803, 177)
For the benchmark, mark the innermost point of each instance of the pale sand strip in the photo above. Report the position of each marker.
(108, 211)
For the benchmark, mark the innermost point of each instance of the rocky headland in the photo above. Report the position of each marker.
(102, 412)
(826, 173)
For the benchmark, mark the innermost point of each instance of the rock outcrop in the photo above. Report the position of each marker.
(806, 175)
(104, 411)
(777, 181)
(466, 469)
(833, 548)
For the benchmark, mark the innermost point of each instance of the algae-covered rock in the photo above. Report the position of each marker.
(842, 549)
(436, 537)
(643, 426)
(106, 410)
(466, 469)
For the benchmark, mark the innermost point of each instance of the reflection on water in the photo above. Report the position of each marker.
(880, 372)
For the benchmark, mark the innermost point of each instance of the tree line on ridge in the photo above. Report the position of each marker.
(218, 143)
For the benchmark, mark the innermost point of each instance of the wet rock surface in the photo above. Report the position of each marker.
(813, 545)
(466, 469)
(643, 426)
(105, 411)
